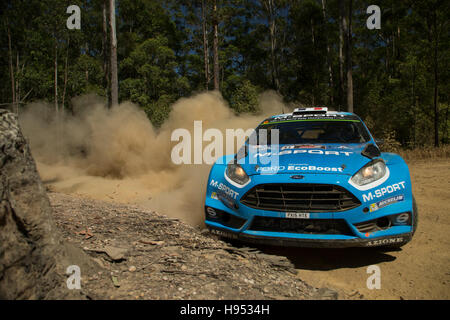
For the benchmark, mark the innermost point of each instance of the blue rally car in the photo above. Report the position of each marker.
(322, 183)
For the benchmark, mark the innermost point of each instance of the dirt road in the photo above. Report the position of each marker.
(419, 270)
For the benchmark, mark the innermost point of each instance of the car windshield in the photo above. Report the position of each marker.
(315, 131)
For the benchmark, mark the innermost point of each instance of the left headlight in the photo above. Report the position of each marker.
(371, 172)
(236, 173)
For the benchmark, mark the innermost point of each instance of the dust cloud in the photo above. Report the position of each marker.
(116, 154)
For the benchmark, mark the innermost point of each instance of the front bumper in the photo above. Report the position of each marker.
(311, 242)
(354, 226)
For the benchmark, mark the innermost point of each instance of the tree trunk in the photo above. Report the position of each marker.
(114, 76)
(65, 76)
(273, 43)
(216, 47)
(86, 71)
(34, 258)
(413, 104)
(341, 52)
(445, 130)
(436, 83)
(330, 69)
(205, 45)
(105, 52)
(11, 70)
(349, 64)
(315, 77)
(56, 76)
(18, 71)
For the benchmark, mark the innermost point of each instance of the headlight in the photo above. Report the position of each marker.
(236, 173)
(371, 172)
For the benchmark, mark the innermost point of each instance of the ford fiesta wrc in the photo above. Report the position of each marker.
(312, 178)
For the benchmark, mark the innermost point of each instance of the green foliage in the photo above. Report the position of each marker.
(159, 110)
(284, 45)
(85, 76)
(242, 95)
(152, 80)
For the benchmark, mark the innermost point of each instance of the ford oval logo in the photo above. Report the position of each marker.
(297, 177)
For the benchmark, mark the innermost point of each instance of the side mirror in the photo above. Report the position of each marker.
(379, 142)
(371, 151)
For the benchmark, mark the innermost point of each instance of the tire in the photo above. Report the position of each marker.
(415, 216)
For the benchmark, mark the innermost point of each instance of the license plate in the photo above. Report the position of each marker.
(297, 215)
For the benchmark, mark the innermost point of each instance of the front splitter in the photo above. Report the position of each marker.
(313, 243)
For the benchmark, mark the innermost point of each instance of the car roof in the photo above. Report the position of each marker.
(328, 113)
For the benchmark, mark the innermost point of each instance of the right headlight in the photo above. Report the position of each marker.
(236, 173)
(371, 172)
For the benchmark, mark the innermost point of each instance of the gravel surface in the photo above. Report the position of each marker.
(143, 255)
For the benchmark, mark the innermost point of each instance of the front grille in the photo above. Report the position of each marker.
(308, 226)
(300, 197)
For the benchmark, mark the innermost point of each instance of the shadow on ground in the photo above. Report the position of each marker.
(326, 258)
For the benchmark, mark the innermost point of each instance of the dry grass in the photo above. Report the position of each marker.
(424, 153)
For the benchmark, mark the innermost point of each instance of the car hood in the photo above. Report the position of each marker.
(317, 159)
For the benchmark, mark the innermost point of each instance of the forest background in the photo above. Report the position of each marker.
(310, 52)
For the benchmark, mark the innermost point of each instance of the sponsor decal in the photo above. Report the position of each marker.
(382, 242)
(402, 218)
(270, 169)
(382, 191)
(300, 167)
(211, 212)
(224, 234)
(314, 168)
(312, 117)
(214, 196)
(386, 202)
(225, 189)
(302, 146)
(300, 151)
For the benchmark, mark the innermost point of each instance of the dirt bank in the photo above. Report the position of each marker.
(144, 255)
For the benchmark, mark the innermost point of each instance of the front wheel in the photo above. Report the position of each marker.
(415, 216)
